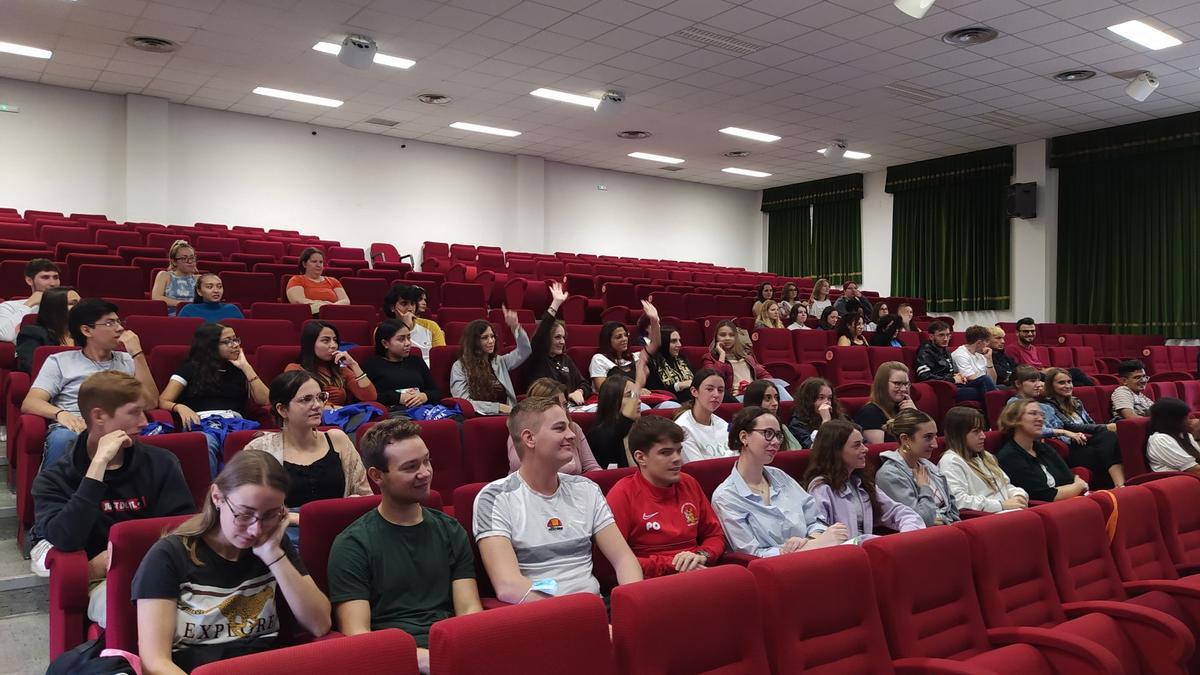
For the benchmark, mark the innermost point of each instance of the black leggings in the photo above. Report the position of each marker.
(1100, 452)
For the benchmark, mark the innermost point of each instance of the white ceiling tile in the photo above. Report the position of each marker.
(509, 31)
(536, 14)
(821, 15)
(582, 27)
(624, 39)
(697, 10)
(456, 18)
(666, 49)
(615, 11)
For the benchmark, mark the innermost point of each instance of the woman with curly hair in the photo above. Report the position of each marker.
(480, 375)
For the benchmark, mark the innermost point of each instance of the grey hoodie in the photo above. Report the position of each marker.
(896, 480)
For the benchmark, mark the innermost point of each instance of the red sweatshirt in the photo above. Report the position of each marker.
(659, 522)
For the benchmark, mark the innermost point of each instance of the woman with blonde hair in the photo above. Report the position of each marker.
(890, 393)
(1089, 445)
(177, 284)
(729, 354)
(819, 299)
(1032, 465)
(200, 575)
(769, 315)
(975, 477)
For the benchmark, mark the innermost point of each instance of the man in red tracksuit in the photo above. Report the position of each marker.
(662, 512)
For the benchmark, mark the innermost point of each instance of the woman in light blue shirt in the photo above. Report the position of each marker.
(763, 511)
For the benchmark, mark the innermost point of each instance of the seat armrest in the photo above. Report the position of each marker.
(920, 665)
(68, 599)
(463, 404)
(972, 513)
(1066, 653)
(736, 558)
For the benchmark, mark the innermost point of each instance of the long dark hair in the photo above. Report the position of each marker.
(53, 311)
(308, 355)
(885, 330)
(845, 325)
(698, 379)
(826, 462)
(205, 357)
(824, 322)
(804, 409)
(604, 342)
(663, 355)
(477, 365)
(608, 400)
(1169, 416)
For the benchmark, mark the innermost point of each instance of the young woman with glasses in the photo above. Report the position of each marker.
(214, 380)
(177, 283)
(226, 568)
(319, 464)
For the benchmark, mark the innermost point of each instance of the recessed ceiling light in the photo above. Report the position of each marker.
(655, 158)
(752, 135)
(154, 45)
(737, 153)
(634, 134)
(434, 99)
(495, 131)
(301, 98)
(565, 97)
(381, 59)
(969, 36)
(746, 172)
(850, 154)
(1145, 35)
(22, 50)
(1074, 75)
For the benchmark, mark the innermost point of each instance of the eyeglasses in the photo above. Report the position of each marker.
(770, 435)
(187, 259)
(901, 384)
(111, 323)
(1028, 332)
(231, 342)
(308, 400)
(1141, 377)
(244, 519)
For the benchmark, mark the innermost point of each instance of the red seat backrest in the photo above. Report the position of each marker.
(110, 281)
(485, 448)
(1189, 391)
(810, 345)
(321, 521)
(1131, 436)
(1157, 359)
(270, 360)
(1014, 582)
(1137, 544)
(365, 291)
(298, 315)
(163, 330)
(463, 295)
(848, 365)
(994, 402)
(361, 312)
(191, 448)
(275, 249)
(1062, 357)
(1082, 566)
(386, 650)
(258, 332)
(710, 472)
(1085, 359)
(773, 345)
(164, 360)
(1177, 497)
(128, 543)
(441, 360)
(247, 288)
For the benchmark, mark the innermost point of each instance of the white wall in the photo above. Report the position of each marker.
(355, 187)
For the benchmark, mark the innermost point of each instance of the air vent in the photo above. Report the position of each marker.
(671, 168)
(1074, 75)
(703, 37)
(913, 94)
(634, 135)
(738, 153)
(434, 99)
(1001, 119)
(972, 35)
(381, 122)
(154, 45)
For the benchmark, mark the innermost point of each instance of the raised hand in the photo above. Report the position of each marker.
(511, 320)
(650, 310)
(558, 295)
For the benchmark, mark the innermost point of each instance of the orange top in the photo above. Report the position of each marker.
(353, 391)
(325, 289)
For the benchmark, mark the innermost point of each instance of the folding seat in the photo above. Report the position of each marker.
(810, 345)
(484, 449)
(130, 253)
(462, 252)
(929, 608)
(247, 228)
(224, 245)
(1085, 360)
(1176, 498)
(1062, 357)
(848, 365)
(298, 315)
(1016, 588)
(546, 269)
(441, 360)
(163, 241)
(270, 360)
(1156, 359)
(1189, 391)
(220, 267)
(773, 345)
(708, 472)
(31, 214)
(491, 261)
(351, 331)
(692, 335)
(881, 355)
(115, 239)
(53, 235)
(22, 231)
(460, 315)
(696, 305)
(191, 449)
(1092, 402)
(128, 543)
(297, 248)
(346, 253)
(620, 294)
(320, 522)
(386, 650)
(365, 291)
(668, 303)
(732, 305)
(162, 330)
(274, 249)
(1131, 437)
(74, 260)
(247, 288)
(1137, 543)
(255, 333)
(728, 640)
(41, 223)
(1162, 388)
(363, 312)
(12, 279)
(110, 281)
(36, 247)
(463, 295)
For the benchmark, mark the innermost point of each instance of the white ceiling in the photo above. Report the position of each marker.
(820, 75)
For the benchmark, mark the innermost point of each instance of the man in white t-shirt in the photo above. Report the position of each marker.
(41, 275)
(970, 361)
(536, 527)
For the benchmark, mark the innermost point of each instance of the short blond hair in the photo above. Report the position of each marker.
(108, 390)
(996, 331)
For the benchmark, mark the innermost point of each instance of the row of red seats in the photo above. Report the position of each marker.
(1112, 349)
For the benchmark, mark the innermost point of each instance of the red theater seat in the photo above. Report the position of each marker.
(485, 448)
(110, 281)
(298, 315)
(256, 333)
(247, 288)
(388, 650)
(128, 543)
(163, 330)
(360, 312)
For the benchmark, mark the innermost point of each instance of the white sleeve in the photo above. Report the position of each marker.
(602, 515)
(962, 362)
(1167, 453)
(599, 366)
(10, 319)
(955, 470)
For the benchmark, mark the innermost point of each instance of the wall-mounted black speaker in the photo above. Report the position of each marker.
(1022, 200)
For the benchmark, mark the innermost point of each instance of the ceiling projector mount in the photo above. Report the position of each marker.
(837, 149)
(358, 51)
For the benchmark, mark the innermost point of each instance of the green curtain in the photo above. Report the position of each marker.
(1129, 242)
(787, 241)
(950, 234)
(836, 249)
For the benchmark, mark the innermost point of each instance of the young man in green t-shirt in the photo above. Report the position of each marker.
(401, 565)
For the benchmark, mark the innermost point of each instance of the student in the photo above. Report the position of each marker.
(880, 311)
(51, 328)
(886, 332)
(852, 300)
(405, 303)
(549, 358)
(613, 345)
(1028, 383)
(402, 379)
(905, 312)
(522, 517)
(788, 297)
(582, 460)
(1032, 465)
(997, 359)
(829, 319)
(798, 317)
(819, 300)
(816, 404)
(972, 358)
(98, 331)
(845, 491)
(975, 478)
(1090, 445)
(1024, 352)
(40, 275)
(311, 287)
(207, 304)
(890, 393)
(730, 355)
(934, 362)
(107, 478)
(617, 408)
(335, 370)
(908, 477)
(850, 331)
(1172, 443)
(401, 565)
(768, 315)
(762, 509)
(176, 284)
(668, 370)
(211, 589)
(765, 394)
(766, 292)
(480, 375)
(681, 532)
(214, 381)
(1128, 401)
(319, 464)
(706, 435)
